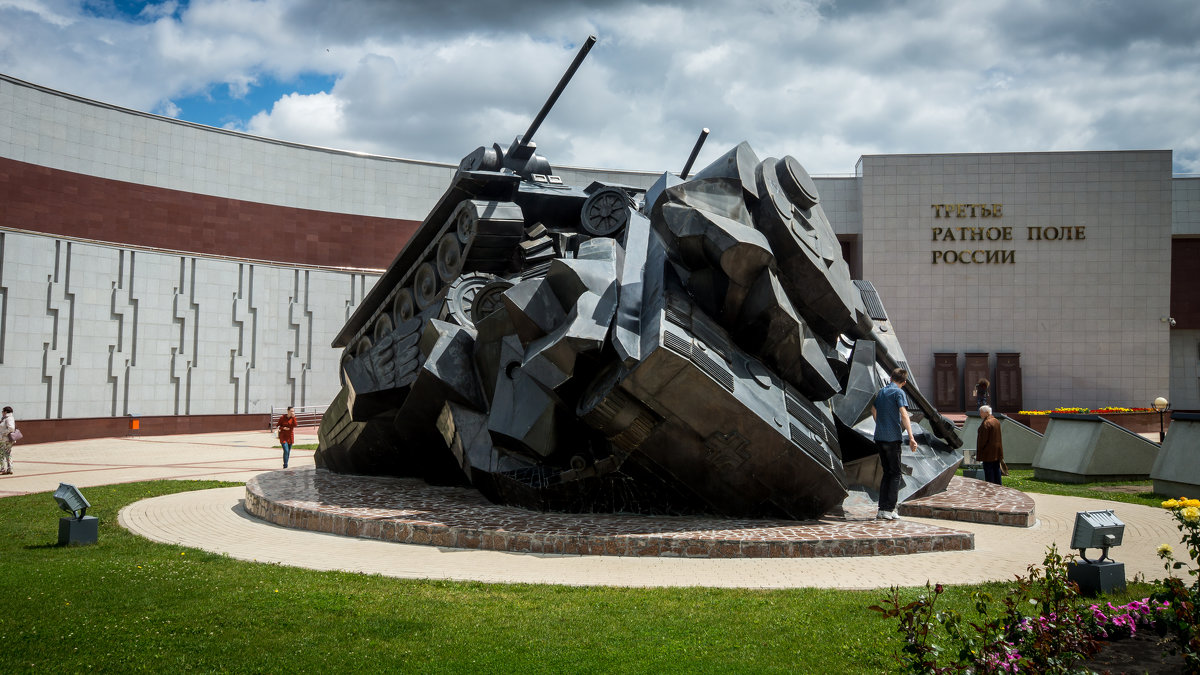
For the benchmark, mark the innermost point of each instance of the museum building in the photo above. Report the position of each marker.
(193, 278)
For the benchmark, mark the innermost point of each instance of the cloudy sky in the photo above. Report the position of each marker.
(824, 80)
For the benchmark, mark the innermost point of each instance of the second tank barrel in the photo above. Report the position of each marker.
(687, 168)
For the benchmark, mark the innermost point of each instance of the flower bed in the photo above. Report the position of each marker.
(1137, 420)
(1042, 625)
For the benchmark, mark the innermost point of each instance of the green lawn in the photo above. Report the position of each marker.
(1023, 480)
(126, 604)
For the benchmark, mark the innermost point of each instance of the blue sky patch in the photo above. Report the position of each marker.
(133, 12)
(219, 108)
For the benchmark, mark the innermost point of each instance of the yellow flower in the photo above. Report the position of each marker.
(1195, 503)
(1170, 504)
(1164, 550)
(1190, 514)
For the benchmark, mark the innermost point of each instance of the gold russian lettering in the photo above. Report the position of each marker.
(1009, 257)
(937, 255)
(996, 210)
(1007, 233)
(1034, 233)
(936, 232)
(1079, 232)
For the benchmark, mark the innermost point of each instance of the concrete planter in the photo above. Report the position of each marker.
(1137, 422)
(1089, 448)
(1176, 471)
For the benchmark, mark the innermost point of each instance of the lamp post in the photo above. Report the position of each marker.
(1161, 404)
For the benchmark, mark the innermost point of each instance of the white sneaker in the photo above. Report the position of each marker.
(887, 515)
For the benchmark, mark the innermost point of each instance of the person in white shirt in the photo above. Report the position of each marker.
(7, 425)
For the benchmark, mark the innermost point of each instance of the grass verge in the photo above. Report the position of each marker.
(1129, 492)
(127, 604)
(130, 605)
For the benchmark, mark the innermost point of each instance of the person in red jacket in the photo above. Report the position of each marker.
(286, 424)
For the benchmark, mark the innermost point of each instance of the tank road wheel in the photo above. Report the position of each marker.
(425, 285)
(350, 353)
(362, 346)
(449, 257)
(383, 326)
(605, 212)
(403, 307)
(467, 224)
(347, 357)
(488, 299)
(461, 296)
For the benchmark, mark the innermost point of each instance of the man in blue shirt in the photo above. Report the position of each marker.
(890, 412)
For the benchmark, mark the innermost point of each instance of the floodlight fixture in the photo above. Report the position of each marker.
(79, 528)
(1096, 529)
(71, 500)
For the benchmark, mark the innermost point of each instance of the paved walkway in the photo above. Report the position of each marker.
(214, 520)
(232, 456)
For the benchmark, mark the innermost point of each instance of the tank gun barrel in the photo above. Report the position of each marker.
(687, 168)
(558, 90)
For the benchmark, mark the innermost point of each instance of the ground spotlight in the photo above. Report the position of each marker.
(80, 528)
(1102, 530)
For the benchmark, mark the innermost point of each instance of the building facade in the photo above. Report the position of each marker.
(155, 267)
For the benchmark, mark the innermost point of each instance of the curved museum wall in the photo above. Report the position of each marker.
(236, 258)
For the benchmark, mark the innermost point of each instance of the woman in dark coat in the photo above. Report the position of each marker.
(988, 447)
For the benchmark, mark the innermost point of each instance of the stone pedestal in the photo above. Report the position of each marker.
(974, 471)
(946, 394)
(1097, 577)
(73, 530)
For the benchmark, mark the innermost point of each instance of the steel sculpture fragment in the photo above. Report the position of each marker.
(695, 347)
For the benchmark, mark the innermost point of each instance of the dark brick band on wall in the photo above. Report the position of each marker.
(53, 201)
(46, 431)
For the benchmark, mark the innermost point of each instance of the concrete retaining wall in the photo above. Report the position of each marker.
(1087, 448)
(1176, 472)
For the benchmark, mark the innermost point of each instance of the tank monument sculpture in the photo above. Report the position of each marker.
(695, 347)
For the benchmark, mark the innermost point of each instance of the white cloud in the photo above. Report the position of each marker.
(313, 119)
(43, 10)
(167, 109)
